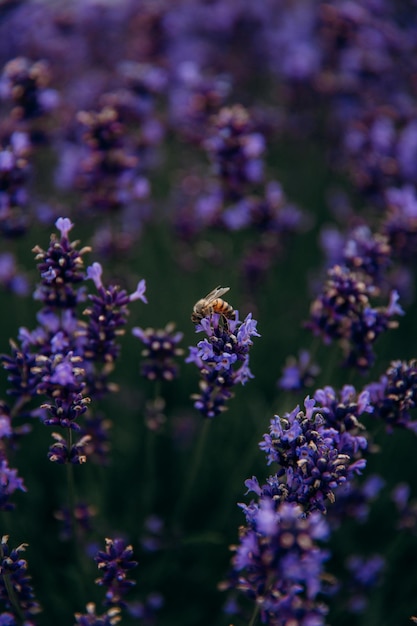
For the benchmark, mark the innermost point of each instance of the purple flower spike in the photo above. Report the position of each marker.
(114, 563)
(64, 358)
(316, 451)
(395, 395)
(400, 224)
(109, 173)
(60, 453)
(160, 352)
(61, 268)
(370, 253)
(223, 360)
(14, 568)
(107, 315)
(64, 413)
(14, 174)
(236, 150)
(82, 514)
(26, 86)
(343, 312)
(279, 563)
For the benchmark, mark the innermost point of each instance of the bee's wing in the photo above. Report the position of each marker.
(216, 293)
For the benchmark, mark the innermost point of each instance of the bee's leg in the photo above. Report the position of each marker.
(224, 322)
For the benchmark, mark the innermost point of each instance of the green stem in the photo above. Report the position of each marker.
(71, 486)
(149, 487)
(254, 615)
(75, 531)
(314, 348)
(268, 587)
(191, 476)
(333, 357)
(149, 472)
(19, 405)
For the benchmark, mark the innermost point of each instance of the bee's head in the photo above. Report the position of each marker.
(198, 312)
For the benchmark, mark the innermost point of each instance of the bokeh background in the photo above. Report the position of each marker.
(328, 90)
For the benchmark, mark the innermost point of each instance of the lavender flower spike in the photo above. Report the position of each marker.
(279, 564)
(343, 312)
(17, 594)
(114, 563)
(223, 360)
(61, 267)
(316, 450)
(107, 315)
(395, 395)
(160, 352)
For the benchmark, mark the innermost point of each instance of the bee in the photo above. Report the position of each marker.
(213, 303)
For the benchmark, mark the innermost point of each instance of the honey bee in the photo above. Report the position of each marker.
(213, 303)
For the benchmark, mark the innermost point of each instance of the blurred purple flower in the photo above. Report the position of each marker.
(10, 278)
(278, 562)
(299, 374)
(365, 575)
(343, 312)
(400, 223)
(395, 395)
(354, 500)
(81, 517)
(160, 352)
(25, 84)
